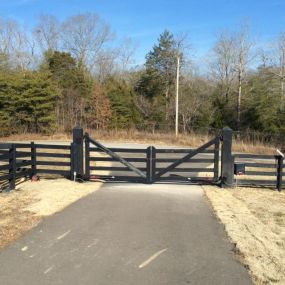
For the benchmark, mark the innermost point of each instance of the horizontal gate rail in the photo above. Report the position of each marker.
(117, 157)
(5, 146)
(158, 160)
(257, 156)
(114, 149)
(50, 146)
(98, 158)
(182, 150)
(53, 163)
(4, 156)
(114, 168)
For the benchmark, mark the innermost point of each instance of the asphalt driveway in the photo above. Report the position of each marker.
(127, 234)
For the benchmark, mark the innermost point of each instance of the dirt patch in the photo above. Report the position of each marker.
(25, 207)
(254, 220)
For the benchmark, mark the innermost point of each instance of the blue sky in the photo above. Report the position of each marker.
(144, 20)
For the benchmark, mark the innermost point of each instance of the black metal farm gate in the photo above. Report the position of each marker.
(150, 165)
(87, 159)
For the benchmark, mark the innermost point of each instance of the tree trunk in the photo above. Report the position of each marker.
(239, 100)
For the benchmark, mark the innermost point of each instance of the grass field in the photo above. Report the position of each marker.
(254, 220)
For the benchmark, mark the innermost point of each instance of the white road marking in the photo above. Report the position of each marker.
(63, 235)
(93, 243)
(49, 269)
(149, 260)
(24, 248)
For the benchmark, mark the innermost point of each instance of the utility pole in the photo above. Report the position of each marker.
(177, 95)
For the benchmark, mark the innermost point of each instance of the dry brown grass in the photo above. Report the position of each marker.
(254, 220)
(36, 137)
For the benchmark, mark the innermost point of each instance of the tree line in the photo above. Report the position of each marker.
(62, 74)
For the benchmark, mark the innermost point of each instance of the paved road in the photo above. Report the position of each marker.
(127, 234)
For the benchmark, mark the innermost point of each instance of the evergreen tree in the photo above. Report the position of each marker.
(75, 85)
(28, 102)
(158, 81)
(124, 111)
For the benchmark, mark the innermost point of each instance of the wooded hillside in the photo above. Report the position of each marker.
(62, 74)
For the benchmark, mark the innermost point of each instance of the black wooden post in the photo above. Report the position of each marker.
(150, 164)
(87, 157)
(280, 160)
(227, 171)
(12, 167)
(153, 164)
(78, 152)
(33, 160)
(72, 157)
(216, 159)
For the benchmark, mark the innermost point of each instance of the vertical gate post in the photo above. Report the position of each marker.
(227, 172)
(153, 164)
(72, 164)
(150, 164)
(33, 159)
(216, 159)
(87, 157)
(78, 152)
(12, 167)
(280, 160)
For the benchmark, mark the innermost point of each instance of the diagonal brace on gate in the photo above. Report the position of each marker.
(117, 157)
(187, 157)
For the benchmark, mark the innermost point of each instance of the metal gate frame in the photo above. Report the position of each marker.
(152, 173)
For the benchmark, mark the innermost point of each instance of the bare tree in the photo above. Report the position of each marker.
(105, 63)
(126, 53)
(243, 49)
(84, 36)
(232, 55)
(48, 32)
(15, 44)
(223, 65)
(277, 67)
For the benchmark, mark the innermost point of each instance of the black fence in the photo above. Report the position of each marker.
(20, 160)
(213, 162)
(260, 170)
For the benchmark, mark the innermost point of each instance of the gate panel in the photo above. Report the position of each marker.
(152, 165)
(114, 164)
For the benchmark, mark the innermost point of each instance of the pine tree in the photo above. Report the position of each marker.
(28, 102)
(124, 111)
(158, 81)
